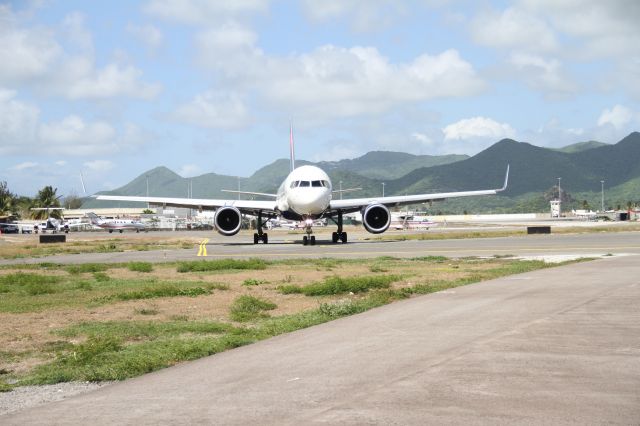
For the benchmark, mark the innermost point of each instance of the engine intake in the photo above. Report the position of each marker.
(376, 218)
(228, 220)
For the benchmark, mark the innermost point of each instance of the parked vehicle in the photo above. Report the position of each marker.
(8, 228)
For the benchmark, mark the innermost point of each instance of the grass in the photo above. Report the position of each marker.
(140, 266)
(253, 281)
(221, 265)
(153, 292)
(341, 285)
(92, 347)
(28, 284)
(246, 308)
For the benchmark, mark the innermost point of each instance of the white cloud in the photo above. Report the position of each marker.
(478, 127)
(111, 81)
(99, 165)
(214, 110)
(32, 57)
(74, 136)
(24, 166)
(189, 170)
(421, 138)
(618, 116)
(542, 74)
(513, 28)
(74, 28)
(203, 12)
(333, 81)
(24, 54)
(362, 15)
(18, 123)
(22, 132)
(148, 34)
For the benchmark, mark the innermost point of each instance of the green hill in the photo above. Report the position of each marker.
(581, 146)
(388, 164)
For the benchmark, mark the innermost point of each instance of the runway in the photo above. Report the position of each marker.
(554, 346)
(286, 246)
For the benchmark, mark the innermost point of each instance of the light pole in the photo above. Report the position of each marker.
(559, 199)
(602, 196)
(147, 176)
(383, 189)
(341, 190)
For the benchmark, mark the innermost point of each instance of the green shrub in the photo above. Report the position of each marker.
(140, 266)
(246, 308)
(339, 285)
(220, 265)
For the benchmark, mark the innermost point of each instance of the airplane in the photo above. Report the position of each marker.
(407, 220)
(305, 195)
(115, 224)
(51, 224)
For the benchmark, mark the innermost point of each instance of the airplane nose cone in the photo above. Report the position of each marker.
(309, 202)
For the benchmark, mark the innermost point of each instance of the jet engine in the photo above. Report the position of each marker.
(228, 220)
(376, 218)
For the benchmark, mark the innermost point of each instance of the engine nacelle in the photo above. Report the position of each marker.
(376, 218)
(228, 220)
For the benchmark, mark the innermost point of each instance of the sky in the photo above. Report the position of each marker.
(113, 89)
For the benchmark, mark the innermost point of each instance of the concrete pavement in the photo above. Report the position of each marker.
(555, 346)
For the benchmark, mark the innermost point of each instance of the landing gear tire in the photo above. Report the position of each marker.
(339, 236)
(312, 240)
(257, 238)
(111, 231)
(305, 240)
(121, 231)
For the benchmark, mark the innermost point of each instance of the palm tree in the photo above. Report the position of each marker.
(7, 200)
(46, 198)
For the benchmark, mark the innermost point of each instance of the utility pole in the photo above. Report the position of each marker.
(147, 176)
(341, 190)
(383, 189)
(602, 196)
(559, 199)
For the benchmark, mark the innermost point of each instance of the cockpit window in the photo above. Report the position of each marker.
(316, 183)
(305, 183)
(294, 183)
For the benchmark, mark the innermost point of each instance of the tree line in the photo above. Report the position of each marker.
(21, 207)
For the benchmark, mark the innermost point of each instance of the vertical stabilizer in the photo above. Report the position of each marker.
(292, 153)
(84, 190)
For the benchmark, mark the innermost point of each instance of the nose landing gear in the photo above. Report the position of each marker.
(308, 239)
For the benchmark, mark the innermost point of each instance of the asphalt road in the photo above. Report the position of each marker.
(284, 246)
(554, 346)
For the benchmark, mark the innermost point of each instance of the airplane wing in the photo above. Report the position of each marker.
(355, 204)
(245, 206)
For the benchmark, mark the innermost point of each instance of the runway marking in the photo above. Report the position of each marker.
(202, 251)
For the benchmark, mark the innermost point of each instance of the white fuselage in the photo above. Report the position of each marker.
(305, 193)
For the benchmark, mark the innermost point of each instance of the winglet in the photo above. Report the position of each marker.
(506, 180)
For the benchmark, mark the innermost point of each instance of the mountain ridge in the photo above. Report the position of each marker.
(533, 170)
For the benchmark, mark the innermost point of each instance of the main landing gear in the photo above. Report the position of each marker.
(340, 235)
(260, 236)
